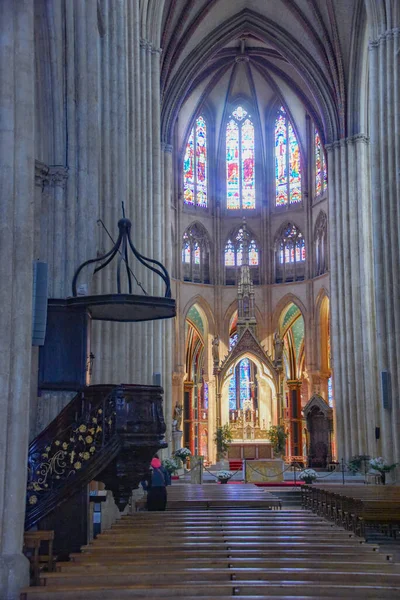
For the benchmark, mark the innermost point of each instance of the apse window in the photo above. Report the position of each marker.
(240, 161)
(195, 166)
(287, 162)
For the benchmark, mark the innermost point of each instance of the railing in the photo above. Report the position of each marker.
(108, 433)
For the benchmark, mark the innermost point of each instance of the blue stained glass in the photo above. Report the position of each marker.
(232, 392)
(330, 392)
(205, 405)
(233, 340)
(244, 380)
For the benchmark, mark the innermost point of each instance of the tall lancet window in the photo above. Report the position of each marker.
(321, 176)
(195, 166)
(240, 161)
(287, 162)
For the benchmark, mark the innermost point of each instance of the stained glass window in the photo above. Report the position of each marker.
(233, 340)
(330, 392)
(196, 254)
(287, 162)
(244, 380)
(234, 251)
(240, 161)
(232, 392)
(292, 246)
(196, 251)
(253, 253)
(229, 254)
(195, 166)
(186, 249)
(205, 395)
(321, 179)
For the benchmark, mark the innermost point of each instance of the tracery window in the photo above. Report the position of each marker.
(321, 244)
(290, 254)
(233, 256)
(240, 161)
(242, 392)
(287, 162)
(321, 175)
(196, 254)
(195, 166)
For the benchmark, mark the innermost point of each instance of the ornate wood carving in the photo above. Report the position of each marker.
(108, 433)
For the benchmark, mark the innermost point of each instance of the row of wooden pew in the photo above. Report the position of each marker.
(356, 506)
(217, 554)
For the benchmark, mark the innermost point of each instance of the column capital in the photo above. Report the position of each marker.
(354, 139)
(389, 34)
(165, 147)
(41, 174)
(58, 176)
(147, 45)
(45, 175)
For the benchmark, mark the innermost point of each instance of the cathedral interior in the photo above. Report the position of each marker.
(251, 148)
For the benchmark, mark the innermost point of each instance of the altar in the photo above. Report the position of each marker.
(264, 471)
(239, 450)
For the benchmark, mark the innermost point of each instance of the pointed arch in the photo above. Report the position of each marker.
(196, 254)
(288, 171)
(240, 160)
(290, 254)
(195, 167)
(233, 256)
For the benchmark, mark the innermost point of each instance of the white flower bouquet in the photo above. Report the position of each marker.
(308, 475)
(380, 464)
(224, 475)
(183, 453)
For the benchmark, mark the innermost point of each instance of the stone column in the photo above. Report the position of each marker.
(384, 52)
(296, 443)
(351, 288)
(16, 247)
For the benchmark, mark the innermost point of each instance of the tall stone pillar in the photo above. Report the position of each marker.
(384, 108)
(17, 170)
(352, 302)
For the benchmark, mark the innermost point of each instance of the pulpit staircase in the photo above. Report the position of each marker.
(108, 433)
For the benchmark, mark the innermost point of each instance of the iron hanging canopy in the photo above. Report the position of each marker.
(125, 307)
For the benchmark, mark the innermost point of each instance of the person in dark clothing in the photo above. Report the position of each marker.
(156, 486)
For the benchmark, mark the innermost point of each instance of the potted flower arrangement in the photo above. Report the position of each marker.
(222, 438)
(183, 454)
(379, 464)
(224, 476)
(308, 476)
(170, 465)
(277, 436)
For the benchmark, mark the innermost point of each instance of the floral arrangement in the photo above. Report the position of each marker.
(171, 465)
(379, 464)
(224, 475)
(183, 454)
(308, 475)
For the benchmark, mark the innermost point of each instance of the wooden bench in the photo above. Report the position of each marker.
(220, 554)
(34, 540)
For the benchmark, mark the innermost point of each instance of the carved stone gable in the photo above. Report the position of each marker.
(248, 343)
(317, 401)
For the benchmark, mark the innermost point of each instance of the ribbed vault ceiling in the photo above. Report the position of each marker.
(294, 51)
